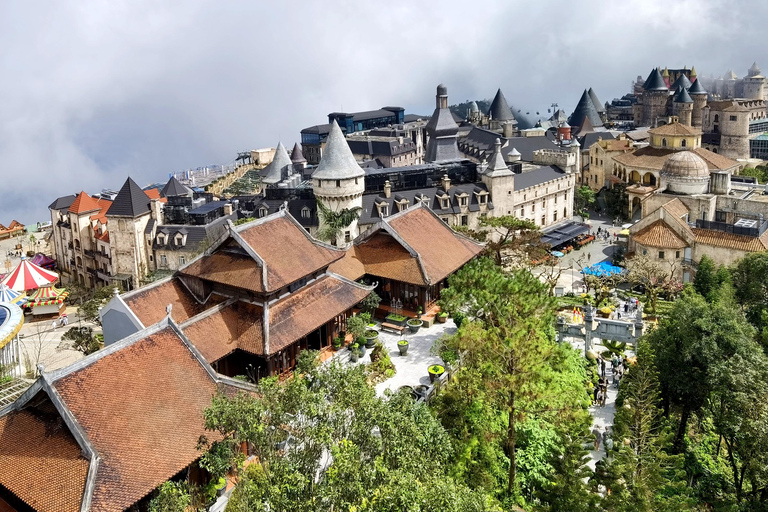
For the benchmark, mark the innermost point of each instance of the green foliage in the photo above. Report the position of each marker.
(371, 302)
(172, 497)
(458, 318)
(244, 220)
(750, 282)
(396, 318)
(381, 367)
(89, 308)
(760, 172)
(583, 198)
(334, 223)
(704, 280)
(356, 326)
(83, 339)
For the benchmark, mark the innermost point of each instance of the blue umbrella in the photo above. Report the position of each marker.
(557, 254)
(602, 269)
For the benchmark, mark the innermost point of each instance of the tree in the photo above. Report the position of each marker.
(705, 279)
(89, 309)
(508, 234)
(507, 345)
(82, 339)
(655, 278)
(750, 281)
(690, 344)
(334, 223)
(172, 497)
(371, 302)
(583, 198)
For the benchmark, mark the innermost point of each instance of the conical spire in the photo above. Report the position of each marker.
(585, 109)
(697, 88)
(297, 156)
(682, 81)
(682, 95)
(596, 102)
(693, 71)
(496, 165)
(654, 82)
(175, 188)
(754, 70)
(500, 110)
(276, 170)
(338, 162)
(131, 201)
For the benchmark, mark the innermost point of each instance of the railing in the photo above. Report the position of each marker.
(690, 263)
(102, 275)
(90, 253)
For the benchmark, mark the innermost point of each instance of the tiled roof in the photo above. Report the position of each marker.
(131, 201)
(585, 109)
(227, 268)
(154, 193)
(175, 188)
(659, 235)
(302, 312)
(83, 203)
(676, 208)
(675, 129)
(141, 407)
(62, 203)
(41, 462)
(538, 176)
(383, 256)
(236, 326)
(499, 109)
(617, 145)
(654, 158)
(350, 266)
(730, 240)
(441, 250)
(149, 303)
(287, 250)
(715, 160)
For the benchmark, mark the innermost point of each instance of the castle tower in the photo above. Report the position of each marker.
(441, 131)
(339, 181)
(598, 105)
(500, 118)
(699, 96)
(753, 85)
(500, 181)
(655, 96)
(585, 109)
(683, 106)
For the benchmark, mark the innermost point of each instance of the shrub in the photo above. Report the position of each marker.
(458, 318)
(443, 315)
(436, 369)
(414, 322)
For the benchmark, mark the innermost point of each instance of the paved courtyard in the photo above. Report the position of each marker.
(411, 368)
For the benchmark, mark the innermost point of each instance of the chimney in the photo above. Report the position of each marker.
(156, 208)
(387, 189)
(228, 209)
(399, 140)
(445, 181)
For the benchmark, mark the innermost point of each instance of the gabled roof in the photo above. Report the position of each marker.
(175, 188)
(731, 240)
(278, 167)
(131, 201)
(595, 101)
(499, 109)
(655, 82)
(697, 88)
(231, 326)
(585, 109)
(149, 303)
(296, 155)
(83, 203)
(337, 161)
(659, 235)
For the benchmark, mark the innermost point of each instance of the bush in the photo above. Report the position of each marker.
(381, 367)
(82, 339)
(458, 318)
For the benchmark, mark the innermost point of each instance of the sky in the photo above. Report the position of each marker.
(94, 91)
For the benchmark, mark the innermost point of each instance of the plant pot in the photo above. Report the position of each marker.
(362, 350)
(353, 357)
(398, 320)
(435, 371)
(402, 347)
(441, 319)
(370, 339)
(414, 328)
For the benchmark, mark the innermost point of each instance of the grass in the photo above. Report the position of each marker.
(396, 318)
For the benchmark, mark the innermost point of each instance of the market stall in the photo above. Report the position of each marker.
(28, 276)
(43, 261)
(47, 301)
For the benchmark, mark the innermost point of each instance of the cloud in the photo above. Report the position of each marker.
(95, 91)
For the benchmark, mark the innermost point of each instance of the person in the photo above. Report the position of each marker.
(626, 307)
(598, 436)
(605, 395)
(53, 326)
(600, 397)
(614, 362)
(602, 366)
(595, 391)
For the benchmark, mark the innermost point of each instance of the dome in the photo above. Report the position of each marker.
(685, 172)
(442, 90)
(685, 164)
(473, 107)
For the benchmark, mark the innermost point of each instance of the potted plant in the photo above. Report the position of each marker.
(398, 320)
(356, 353)
(220, 487)
(414, 324)
(338, 341)
(435, 371)
(402, 346)
(442, 317)
(371, 335)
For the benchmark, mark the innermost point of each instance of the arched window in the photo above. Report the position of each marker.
(663, 143)
(682, 143)
(717, 118)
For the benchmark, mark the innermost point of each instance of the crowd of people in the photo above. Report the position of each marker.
(600, 394)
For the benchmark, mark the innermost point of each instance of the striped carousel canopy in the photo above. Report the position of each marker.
(47, 295)
(12, 296)
(28, 276)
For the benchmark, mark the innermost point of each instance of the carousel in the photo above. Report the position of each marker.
(47, 301)
(12, 296)
(11, 320)
(28, 276)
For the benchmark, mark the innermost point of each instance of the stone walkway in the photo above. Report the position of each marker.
(602, 416)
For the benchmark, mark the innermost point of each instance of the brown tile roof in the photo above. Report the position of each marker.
(617, 145)
(654, 158)
(83, 203)
(287, 251)
(383, 256)
(730, 240)
(675, 129)
(676, 208)
(659, 235)
(304, 311)
(349, 266)
(41, 462)
(228, 268)
(154, 193)
(237, 326)
(149, 303)
(442, 251)
(142, 409)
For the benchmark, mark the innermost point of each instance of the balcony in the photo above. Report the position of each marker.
(103, 275)
(103, 258)
(89, 253)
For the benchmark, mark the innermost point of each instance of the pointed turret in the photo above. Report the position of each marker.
(682, 95)
(500, 110)
(131, 201)
(696, 88)
(496, 165)
(175, 188)
(297, 157)
(441, 130)
(585, 110)
(337, 162)
(682, 81)
(278, 168)
(596, 102)
(693, 73)
(754, 70)
(655, 82)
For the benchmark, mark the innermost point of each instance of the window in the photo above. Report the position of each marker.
(719, 216)
(677, 255)
(683, 143)
(663, 143)
(384, 210)
(543, 219)
(661, 255)
(555, 199)
(356, 181)
(182, 261)
(445, 219)
(522, 212)
(121, 225)
(533, 207)
(543, 203)
(338, 183)
(462, 201)
(161, 239)
(465, 220)
(482, 198)
(263, 212)
(717, 118)
(554, 217)
(305, 213)
(163, 260)
(734, 118)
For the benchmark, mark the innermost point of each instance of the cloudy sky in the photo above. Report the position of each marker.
(94, 91)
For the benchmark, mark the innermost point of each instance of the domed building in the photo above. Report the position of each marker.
(685, 172)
